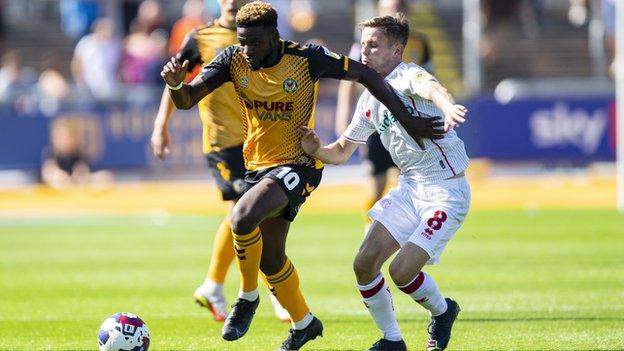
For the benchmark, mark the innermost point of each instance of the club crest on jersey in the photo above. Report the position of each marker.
(244, 82)
(290, 85)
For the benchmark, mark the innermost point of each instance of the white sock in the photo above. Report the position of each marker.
(212, 290)
(248, 295)
(211, 287)
(378, 300)
(304, 322)
(424, 290)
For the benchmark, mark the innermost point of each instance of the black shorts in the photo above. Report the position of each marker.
(297, 181)
(379, 157)
(228, 169)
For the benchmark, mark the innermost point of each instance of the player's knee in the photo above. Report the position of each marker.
(401, 273)
(272, 264)
(242, 221)
(365, 266)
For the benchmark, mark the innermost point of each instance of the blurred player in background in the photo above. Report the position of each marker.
(276, 82)
(383, 171)
(419, 216)
(65, 161)
(222, 144)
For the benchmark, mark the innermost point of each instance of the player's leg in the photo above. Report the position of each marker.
(443, 207)
(227, 168)
(210, 293)
(280, 312)
(380, 162)
(406, 272)
(296, 183)
(263, 200)
(281, 274)
(377, 247)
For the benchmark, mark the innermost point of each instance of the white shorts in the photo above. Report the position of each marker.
(426, 214)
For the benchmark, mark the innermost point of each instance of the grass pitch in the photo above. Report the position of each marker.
(549, 280)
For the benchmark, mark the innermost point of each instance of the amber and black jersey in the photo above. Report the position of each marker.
(220, 112)
(276, 100)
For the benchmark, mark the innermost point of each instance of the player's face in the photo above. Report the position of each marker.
(378, 52)
(256, 43)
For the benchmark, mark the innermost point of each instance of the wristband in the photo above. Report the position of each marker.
(177, 87)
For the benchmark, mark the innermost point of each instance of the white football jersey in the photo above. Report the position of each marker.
(441, 159)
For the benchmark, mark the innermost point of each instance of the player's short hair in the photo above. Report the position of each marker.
(396, 27)
(256, 13)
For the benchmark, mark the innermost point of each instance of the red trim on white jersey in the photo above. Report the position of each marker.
(433, 141)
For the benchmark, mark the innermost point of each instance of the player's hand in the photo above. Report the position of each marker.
(453, 116)
(310, 142)
(424, 128)
(161, 142)
(173, 73)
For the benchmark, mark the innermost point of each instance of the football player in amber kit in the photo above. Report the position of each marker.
(276, 82)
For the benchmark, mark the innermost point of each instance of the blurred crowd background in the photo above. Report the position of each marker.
(537, 76)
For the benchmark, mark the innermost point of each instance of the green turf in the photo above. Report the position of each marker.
(541, 281)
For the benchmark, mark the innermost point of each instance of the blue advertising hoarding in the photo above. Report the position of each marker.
(541, 129)
(117, 137)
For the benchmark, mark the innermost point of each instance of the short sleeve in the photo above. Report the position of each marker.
(356, 52)
(325, 63)
(418, 77)
(217, 71)
(189, 51)
(361, 126)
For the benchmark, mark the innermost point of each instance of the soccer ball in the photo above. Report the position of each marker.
(123, 332)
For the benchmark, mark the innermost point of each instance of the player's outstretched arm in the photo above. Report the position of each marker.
(335, 153)
(184, 96)
(416, 127)
(161, 141)
(454, 114)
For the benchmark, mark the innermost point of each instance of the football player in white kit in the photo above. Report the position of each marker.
(419, 216)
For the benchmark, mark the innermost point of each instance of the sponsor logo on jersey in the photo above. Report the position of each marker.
(274, 110)
(290, 85)
(387, 120)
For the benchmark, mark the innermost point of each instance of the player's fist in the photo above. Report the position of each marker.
(310, 142)
(174, 73)
(160, 142)
(453, 116)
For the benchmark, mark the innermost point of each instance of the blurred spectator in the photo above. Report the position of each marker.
(193, 15)
(96, 60)
(578, 13)
(52, 87)
(143, 55)
(15, 79)
(524, 12)
(65, 165)
(151, 16)
(77, 16)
